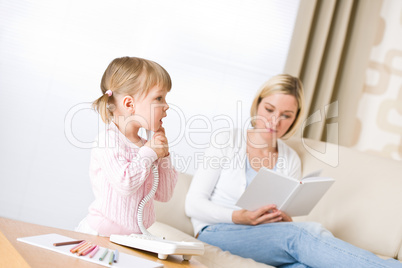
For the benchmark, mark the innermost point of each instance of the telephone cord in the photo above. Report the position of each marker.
(146, 199)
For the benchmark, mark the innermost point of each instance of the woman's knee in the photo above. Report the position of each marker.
(315, 229)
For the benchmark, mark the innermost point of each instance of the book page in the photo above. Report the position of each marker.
(268, 187)
(312, 174)
(307, 196)
(316, 179)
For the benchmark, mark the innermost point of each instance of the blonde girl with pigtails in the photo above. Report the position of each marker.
(133, 97)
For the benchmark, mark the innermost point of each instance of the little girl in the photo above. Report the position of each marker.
(133, 97)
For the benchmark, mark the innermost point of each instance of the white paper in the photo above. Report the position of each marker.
(124, 260)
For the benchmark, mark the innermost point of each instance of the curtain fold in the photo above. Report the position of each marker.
(329, 52)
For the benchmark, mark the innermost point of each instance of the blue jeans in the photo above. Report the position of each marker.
(290, 244)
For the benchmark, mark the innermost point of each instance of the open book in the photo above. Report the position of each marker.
(295, 197)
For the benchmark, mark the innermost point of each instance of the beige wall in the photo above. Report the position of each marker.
(379, 127)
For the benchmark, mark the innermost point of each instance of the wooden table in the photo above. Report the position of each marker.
(14, 253)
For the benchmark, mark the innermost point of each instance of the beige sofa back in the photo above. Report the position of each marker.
(172, 212)
(363, 207)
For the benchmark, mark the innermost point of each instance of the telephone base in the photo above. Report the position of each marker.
(162, 247)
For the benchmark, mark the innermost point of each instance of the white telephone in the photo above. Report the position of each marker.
(148, 242)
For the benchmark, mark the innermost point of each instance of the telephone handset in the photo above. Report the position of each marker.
(147, 241)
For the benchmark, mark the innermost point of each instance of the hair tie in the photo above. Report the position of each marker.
(109, 92)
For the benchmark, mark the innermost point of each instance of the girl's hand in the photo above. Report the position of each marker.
(159, 143)
(266, 214)
(161, 130)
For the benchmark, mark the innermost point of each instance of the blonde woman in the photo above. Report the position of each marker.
(267, 234)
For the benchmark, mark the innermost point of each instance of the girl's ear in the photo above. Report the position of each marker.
(128, 104)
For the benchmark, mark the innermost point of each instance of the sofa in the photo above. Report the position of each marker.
(363, 207)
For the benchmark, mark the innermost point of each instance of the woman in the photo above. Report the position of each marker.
(267, 234)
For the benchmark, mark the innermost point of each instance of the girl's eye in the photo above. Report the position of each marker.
(284, 116)
(159, 98)
(269, 110)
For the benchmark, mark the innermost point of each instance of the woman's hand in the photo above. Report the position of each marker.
(159, 143)
(286, 217)
(265, 214)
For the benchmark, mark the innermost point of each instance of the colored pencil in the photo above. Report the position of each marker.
(88, 250)
(111, 258)
(81, 250)
(80, 246)
(104, 254)
(94, 251)
(77, 246)
(116, 255)
(67, 243)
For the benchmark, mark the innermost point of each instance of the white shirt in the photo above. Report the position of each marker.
(220, 179)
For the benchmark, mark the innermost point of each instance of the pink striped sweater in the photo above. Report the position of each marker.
(121, 176)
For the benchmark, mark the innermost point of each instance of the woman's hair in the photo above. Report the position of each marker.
(283, 84)
(129, 76)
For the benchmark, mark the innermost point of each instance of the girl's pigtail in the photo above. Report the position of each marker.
(101, 105)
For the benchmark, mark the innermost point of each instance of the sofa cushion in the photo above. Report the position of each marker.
(363, 207)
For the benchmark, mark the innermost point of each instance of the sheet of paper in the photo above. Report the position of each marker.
(125, 260)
